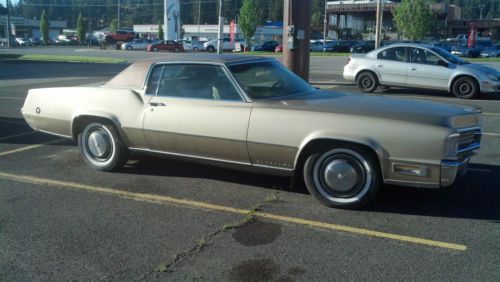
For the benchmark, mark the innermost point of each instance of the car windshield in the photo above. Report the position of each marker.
(449, 57)
(263, 80)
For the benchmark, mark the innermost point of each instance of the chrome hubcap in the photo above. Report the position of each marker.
(99, 144)
(340, 175)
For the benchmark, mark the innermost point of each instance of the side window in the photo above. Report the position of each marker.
(421, 56)
(392, 54)
(193, 81)
(154, 77)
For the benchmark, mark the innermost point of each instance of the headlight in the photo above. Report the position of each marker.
(451, 146)
(493, 77)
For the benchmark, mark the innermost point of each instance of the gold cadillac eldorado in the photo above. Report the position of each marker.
(252, 113)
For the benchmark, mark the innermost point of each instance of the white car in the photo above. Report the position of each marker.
(136, 44)
(420, 66)
(191, 45)
(227, 45)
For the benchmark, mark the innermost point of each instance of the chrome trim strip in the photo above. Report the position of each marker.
(188, 156)
(56, 134)
(472, 128)
(411, 183)
(473, 146)
(273, 167)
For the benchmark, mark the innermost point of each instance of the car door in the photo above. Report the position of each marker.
(426, 70)
(196, 110)
(391, 66)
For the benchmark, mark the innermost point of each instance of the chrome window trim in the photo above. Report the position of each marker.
(239, 90)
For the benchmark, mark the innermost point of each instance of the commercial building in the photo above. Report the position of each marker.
(30, 28)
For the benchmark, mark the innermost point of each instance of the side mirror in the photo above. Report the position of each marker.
(442, 63)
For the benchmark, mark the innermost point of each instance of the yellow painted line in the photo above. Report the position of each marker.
(18, 135)
(31, 147)
(203, 205)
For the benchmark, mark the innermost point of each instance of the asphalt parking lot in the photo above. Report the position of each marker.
(165, 220)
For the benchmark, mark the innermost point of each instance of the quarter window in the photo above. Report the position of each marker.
(392, 54)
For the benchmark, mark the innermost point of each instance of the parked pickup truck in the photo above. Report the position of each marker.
(120, 35)
(227, 45)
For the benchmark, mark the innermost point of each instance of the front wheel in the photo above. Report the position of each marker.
(129, 48)
(101, 147)
(465, 88)
(345, 177)
(367, 82)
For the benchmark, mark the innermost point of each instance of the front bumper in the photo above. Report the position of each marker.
(490, 86)
(451, 169)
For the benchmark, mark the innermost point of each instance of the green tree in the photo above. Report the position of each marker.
(161, 33)
(113, 25)
(413, 19)
(248, 19)
(80, 29)
(44, 27)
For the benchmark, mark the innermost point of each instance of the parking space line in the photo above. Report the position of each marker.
(17, 135)
(491, 114)
(13, 122)
(11, 98)
(491, 134)
(203, 205)
(31, 147)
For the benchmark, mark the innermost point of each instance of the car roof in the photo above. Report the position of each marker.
(135, 75)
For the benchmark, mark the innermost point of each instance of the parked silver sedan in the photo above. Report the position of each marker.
(136, 44)
(421, 66)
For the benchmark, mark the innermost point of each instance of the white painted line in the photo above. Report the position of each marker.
(17, 135)
(491, 114)
(491, 134)
(31, 147)
(11, 98)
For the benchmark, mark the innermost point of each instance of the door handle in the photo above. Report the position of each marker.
(154, 104)
(413, 68)
(379, 65)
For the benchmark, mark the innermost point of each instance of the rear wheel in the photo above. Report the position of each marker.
(367, 82)
(101, 147)
(465, 88)
(342, 177)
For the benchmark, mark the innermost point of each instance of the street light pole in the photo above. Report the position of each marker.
(118, 25)
(221, 30)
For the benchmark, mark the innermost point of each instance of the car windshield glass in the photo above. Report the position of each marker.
(449, 57)
(263, 80)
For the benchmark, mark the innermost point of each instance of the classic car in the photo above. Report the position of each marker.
(252, 113)
(420, 66)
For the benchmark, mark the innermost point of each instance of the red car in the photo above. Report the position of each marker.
(166, 45)
(278, 48)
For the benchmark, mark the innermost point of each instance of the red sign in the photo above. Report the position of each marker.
(231, 31)
(471, 36)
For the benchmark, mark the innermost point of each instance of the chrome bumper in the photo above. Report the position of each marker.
(450, 170)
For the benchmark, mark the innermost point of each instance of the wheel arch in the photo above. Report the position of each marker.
(316, 143)
(455, 78)
(79, 120)
(366, 70)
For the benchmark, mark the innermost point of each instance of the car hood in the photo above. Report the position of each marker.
(479, 67)
(374, 106)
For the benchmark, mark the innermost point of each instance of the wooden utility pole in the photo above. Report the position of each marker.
(220, 35)
(296, 35)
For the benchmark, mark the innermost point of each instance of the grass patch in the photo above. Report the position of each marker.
(485, 59)
(60, 58)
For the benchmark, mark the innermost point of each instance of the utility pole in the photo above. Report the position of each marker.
(221, 30)
(325, 21)
(378, 24)
(118, 25)
(199, 11)
(9, 32)
(165, 20)
(296, 35)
